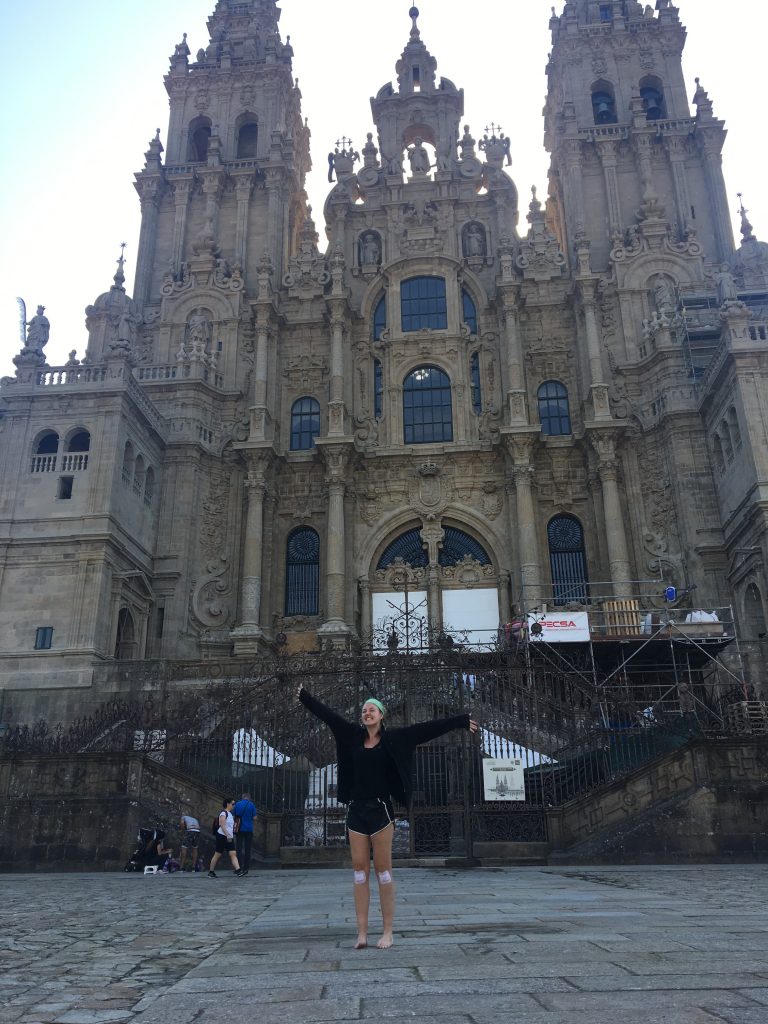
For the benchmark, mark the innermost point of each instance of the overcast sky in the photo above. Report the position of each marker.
(82, 83)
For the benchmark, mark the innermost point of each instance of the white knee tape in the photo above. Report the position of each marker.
(385, 878)
(360, 878)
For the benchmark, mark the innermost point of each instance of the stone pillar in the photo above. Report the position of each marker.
(182, 189)
(516, 393)
(243, 189)
(615, 534)
(366, 626)
(718, 200)
(435, 605)
(676, 151)
(505, 609)
(248, 635)
(335, 630)
(336, 425)
(259, 407)
(598, 387)
(520, 450)
(575, 176)
(150, 192)
(607, 152)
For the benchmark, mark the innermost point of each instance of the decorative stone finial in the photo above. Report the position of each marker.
(747, 231)
(413, 14)
(119, 277)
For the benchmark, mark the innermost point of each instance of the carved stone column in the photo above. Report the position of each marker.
(575, 178)
(520, 451)
(615, 534)
(150, 191)
(243, 190)
(335, 630)
(676, 151)
(433, 535)
(505, 609)
(264, 309)
(713, 171)
(598, 388)
(366, 626)
(182, 190)
(516, 393)
(248, 635)
(336, 425)
(607, 151)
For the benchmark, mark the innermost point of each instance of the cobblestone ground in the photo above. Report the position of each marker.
(679, 945)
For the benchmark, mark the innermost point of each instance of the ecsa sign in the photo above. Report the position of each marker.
(560, 628)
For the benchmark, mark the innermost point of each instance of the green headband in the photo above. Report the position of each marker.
(376, 703)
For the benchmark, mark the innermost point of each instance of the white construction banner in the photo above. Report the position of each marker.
(559, 628)
(503, 778)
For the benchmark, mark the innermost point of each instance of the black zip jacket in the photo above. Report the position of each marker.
(399, 743)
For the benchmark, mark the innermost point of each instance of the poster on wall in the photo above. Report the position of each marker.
(503, 778)
(559, 628)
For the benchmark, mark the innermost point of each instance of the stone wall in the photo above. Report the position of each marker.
(707, 801)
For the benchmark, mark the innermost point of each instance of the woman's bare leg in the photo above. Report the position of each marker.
(382, 865)
(360, 848)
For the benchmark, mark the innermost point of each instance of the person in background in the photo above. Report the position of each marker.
(225, 841)
(244, 812)
(190, 828)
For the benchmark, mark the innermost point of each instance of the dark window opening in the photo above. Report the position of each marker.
(159, 622)
(80, 442)
(247, 141)
(474, 377)
(554, 410)
(409, 546)
(604, 107)
(469, 311)
(48, 444)
(305, 424)
(199, 139)
(378, 389)
(567, 560)
(427, 408)
(606, 12)
(43, 638)
(417, 79)
(302, 573)
(65, 487)
(380, 318)
(653, 103)
(423, 304)
(126, 644)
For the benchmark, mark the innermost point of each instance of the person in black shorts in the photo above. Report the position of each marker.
(374, 765)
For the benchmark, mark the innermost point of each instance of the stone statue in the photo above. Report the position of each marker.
(370, 153)
(394, 165)
(467, 145)
(38, 331)
(444, 161)
(418, 157)
(125, 331)
(370, 250)
(726, 286)
(474, 240)
(199, 332)
(664, 296)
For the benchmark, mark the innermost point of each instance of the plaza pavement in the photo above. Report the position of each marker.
(678, 945)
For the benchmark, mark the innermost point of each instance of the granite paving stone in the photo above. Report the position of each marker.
(661, 945)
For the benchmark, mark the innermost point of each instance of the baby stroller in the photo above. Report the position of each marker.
(145, 854)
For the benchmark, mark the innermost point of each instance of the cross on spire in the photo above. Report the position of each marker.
(493, 129)
(343, 142)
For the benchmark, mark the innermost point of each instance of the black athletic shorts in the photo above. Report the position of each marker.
(367, 817)
(224, 845)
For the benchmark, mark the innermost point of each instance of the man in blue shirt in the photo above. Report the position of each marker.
(244, 812)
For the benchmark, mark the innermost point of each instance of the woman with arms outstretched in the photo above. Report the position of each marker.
(374, 765)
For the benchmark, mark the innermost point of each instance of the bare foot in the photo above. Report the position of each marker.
(386, 941)
(362, 942)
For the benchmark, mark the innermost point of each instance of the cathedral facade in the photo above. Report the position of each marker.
(487, 403)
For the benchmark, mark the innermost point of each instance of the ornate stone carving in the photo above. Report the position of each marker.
(208, 601)
(308, 272)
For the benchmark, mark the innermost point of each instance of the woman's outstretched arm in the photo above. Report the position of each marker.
(336, 722)
(422, 732)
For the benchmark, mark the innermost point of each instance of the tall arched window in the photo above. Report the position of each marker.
(733, 426)
(554, 410)
(380, 318)
(409, 546)
(247, 140)
(604, 103)
(652, 95)
(199, 139)
(126, 644)
(129, 457)
(717, 448)
(423, 304)
(378, 389)
(457, 545)
(474, 381)
(139, 475)
(305, 424)
(79, 442)
(48, 443)
(469, 311)
(567, 559)
(149, 486)
(754, 614)
(725, 433)
(427, 409)
(302, 572)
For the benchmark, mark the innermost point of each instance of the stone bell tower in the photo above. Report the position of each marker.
(625, 149)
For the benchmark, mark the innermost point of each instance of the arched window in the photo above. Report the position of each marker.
(409, 546)
(126, 645)
(427, 409)
(717, 447)
(378, 389)
(305, 424)
(139, 476)
(469, 311)
(128, 462)
(302, 572)
(604, 103)
(199, 138)
(567, 559)
(247, 140)
(554, 410)
(79, 442)
(380, 318)
(474, 383)
(457, 545)
(423, 304)
(48, 443)
(733, 426)
(754, 614)
(652, 95)
(725, 433)
(149, 486)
